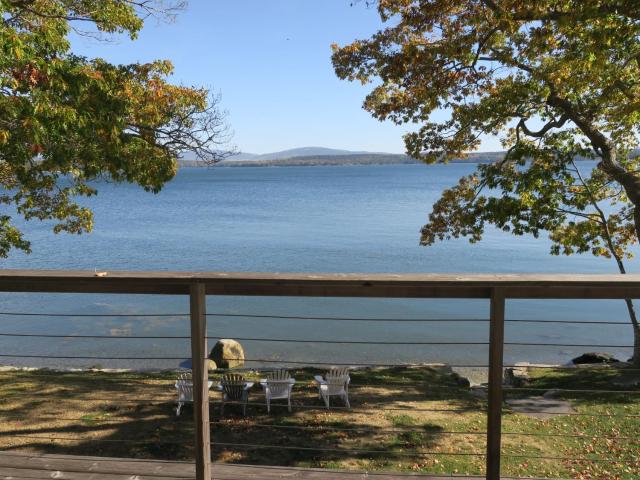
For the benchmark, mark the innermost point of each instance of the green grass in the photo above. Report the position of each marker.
(407, 414)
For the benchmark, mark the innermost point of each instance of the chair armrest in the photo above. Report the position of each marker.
(248, 385)
(292, 381)
(319, 379)
(263, 382)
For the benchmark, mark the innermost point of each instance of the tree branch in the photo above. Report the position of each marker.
(559, 123)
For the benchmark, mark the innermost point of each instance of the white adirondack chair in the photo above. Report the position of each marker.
(184, 385)
(277, 385)
(335, 383)
(235, 389)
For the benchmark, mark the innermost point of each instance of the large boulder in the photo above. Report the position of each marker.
(594, 357)
(227, 353)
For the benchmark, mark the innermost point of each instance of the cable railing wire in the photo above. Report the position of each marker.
(87, 421)
(577, 367)
(254, 360)
(170, 381)
(345, 409)
(307, 363)
(243, 315)
(318, 341)
(244, 339)
(90, 315)
(324, 428)
(570, 459)
(214, 403)
(348, 342)
(334, 409)
(568, 390)
(116, 337)
(418, 452)
(101, 440)
(86, 375)
(331, 428)
(149, 376)
(343, 450)
(569, 322)
(304, 317)
(531, 344)
(86, 357)
(409, 408)
(313, 384)
(311, 363)
(240, 315)
(111, 398)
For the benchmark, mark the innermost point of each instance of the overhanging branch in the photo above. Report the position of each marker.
(559, 123)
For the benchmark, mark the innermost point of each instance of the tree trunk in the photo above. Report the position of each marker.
(630, 308)
(607, 237)
(636, 333)
(606, 149)
(630, 181)
(632, 314)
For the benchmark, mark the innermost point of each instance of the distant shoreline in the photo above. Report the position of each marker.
(349, 160)
(341, 160)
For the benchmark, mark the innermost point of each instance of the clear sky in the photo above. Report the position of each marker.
(270, 61)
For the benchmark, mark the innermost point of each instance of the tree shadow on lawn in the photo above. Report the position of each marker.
(327, 441)
(92, 413)
(611, 379)
(106, 415)
(136, 432)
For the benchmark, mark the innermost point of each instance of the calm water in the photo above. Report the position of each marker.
(298, 219)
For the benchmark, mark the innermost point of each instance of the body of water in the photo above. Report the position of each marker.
(295, 219)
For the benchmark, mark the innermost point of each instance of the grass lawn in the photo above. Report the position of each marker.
(401, 419)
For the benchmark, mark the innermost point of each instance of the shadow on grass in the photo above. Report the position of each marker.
(384, 428)
(591, 379)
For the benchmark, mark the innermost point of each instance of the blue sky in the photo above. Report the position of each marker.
(270, 61)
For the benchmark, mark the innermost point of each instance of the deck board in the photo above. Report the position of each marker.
(36, 466)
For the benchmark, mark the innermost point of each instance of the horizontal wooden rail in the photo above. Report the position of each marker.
(327, 285)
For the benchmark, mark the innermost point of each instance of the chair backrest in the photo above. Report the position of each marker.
(279, 382)
(336, 379)
(184, 385)
(233, 385)
(279, 375)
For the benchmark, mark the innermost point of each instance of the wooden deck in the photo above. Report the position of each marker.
(35, 466)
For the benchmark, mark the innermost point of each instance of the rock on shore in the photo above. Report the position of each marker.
(227, 353)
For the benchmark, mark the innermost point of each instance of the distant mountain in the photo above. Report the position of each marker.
(284, 154)
(293, 153)
(306, 152)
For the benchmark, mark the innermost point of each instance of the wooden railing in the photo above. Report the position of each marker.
(497, 288)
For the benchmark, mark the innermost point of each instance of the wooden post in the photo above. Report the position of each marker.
(200, 375)
(496, 353)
